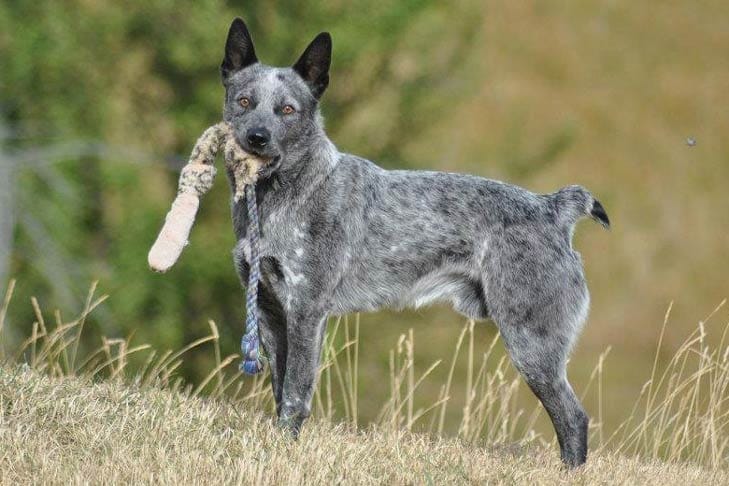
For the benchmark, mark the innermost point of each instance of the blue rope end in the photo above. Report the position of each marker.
(252, 363)
(251, 367)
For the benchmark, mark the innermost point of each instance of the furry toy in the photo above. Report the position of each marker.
(196, 179)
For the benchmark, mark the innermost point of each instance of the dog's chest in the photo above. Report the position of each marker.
(284, 241)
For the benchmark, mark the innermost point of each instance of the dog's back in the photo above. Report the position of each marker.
(407, 238)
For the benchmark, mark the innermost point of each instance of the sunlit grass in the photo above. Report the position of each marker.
(680, 416)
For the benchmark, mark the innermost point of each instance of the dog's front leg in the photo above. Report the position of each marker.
(305, 336)
(272, 330)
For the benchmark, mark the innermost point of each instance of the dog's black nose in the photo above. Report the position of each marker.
(258, 137)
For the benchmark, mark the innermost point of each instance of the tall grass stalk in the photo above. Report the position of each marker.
(681, 414)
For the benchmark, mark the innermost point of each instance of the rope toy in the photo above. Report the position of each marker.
(196, 179)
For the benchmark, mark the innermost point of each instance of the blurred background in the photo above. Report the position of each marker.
(101, 101)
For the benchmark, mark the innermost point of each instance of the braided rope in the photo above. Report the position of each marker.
(250, 343)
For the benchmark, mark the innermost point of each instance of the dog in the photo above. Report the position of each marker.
(339, 234)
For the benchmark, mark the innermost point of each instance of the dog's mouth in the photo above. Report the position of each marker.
(270, 166)
(268, 157)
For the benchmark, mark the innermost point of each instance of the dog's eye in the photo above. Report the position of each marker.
(287, 110)
(244, 102)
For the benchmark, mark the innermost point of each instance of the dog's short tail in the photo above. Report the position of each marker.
(575, 202)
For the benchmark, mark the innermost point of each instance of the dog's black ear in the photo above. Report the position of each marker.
(239, 52)
(313, 65)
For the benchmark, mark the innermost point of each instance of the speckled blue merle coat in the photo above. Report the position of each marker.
(339, 234)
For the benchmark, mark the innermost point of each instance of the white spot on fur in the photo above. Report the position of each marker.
(442, 285)
(299, 252)
(443, 291)
(272, 82)
(245, 248)
(292, 278)
(482, 253)
(275, 217)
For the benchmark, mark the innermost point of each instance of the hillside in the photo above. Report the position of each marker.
(100, 103)
(73, 431)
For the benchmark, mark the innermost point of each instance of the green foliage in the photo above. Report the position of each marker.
(142, 77)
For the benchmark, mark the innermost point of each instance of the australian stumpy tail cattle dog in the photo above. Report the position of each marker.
(339, 234)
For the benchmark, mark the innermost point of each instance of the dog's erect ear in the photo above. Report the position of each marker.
(239, 52)
(313, 65)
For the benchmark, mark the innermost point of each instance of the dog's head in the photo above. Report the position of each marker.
(274, 111)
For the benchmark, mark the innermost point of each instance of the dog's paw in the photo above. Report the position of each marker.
(290, 424)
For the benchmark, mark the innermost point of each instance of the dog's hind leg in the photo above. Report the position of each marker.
(305, 336)
(539, 351)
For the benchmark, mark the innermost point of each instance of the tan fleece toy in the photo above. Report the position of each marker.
(196, 179)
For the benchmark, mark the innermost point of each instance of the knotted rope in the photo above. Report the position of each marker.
(249, 344)
(196, 179)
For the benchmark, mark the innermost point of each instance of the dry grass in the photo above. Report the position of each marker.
(71, 418)
(68, 430)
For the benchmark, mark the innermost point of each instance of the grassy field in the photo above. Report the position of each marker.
(74, 431)
(70, 417)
